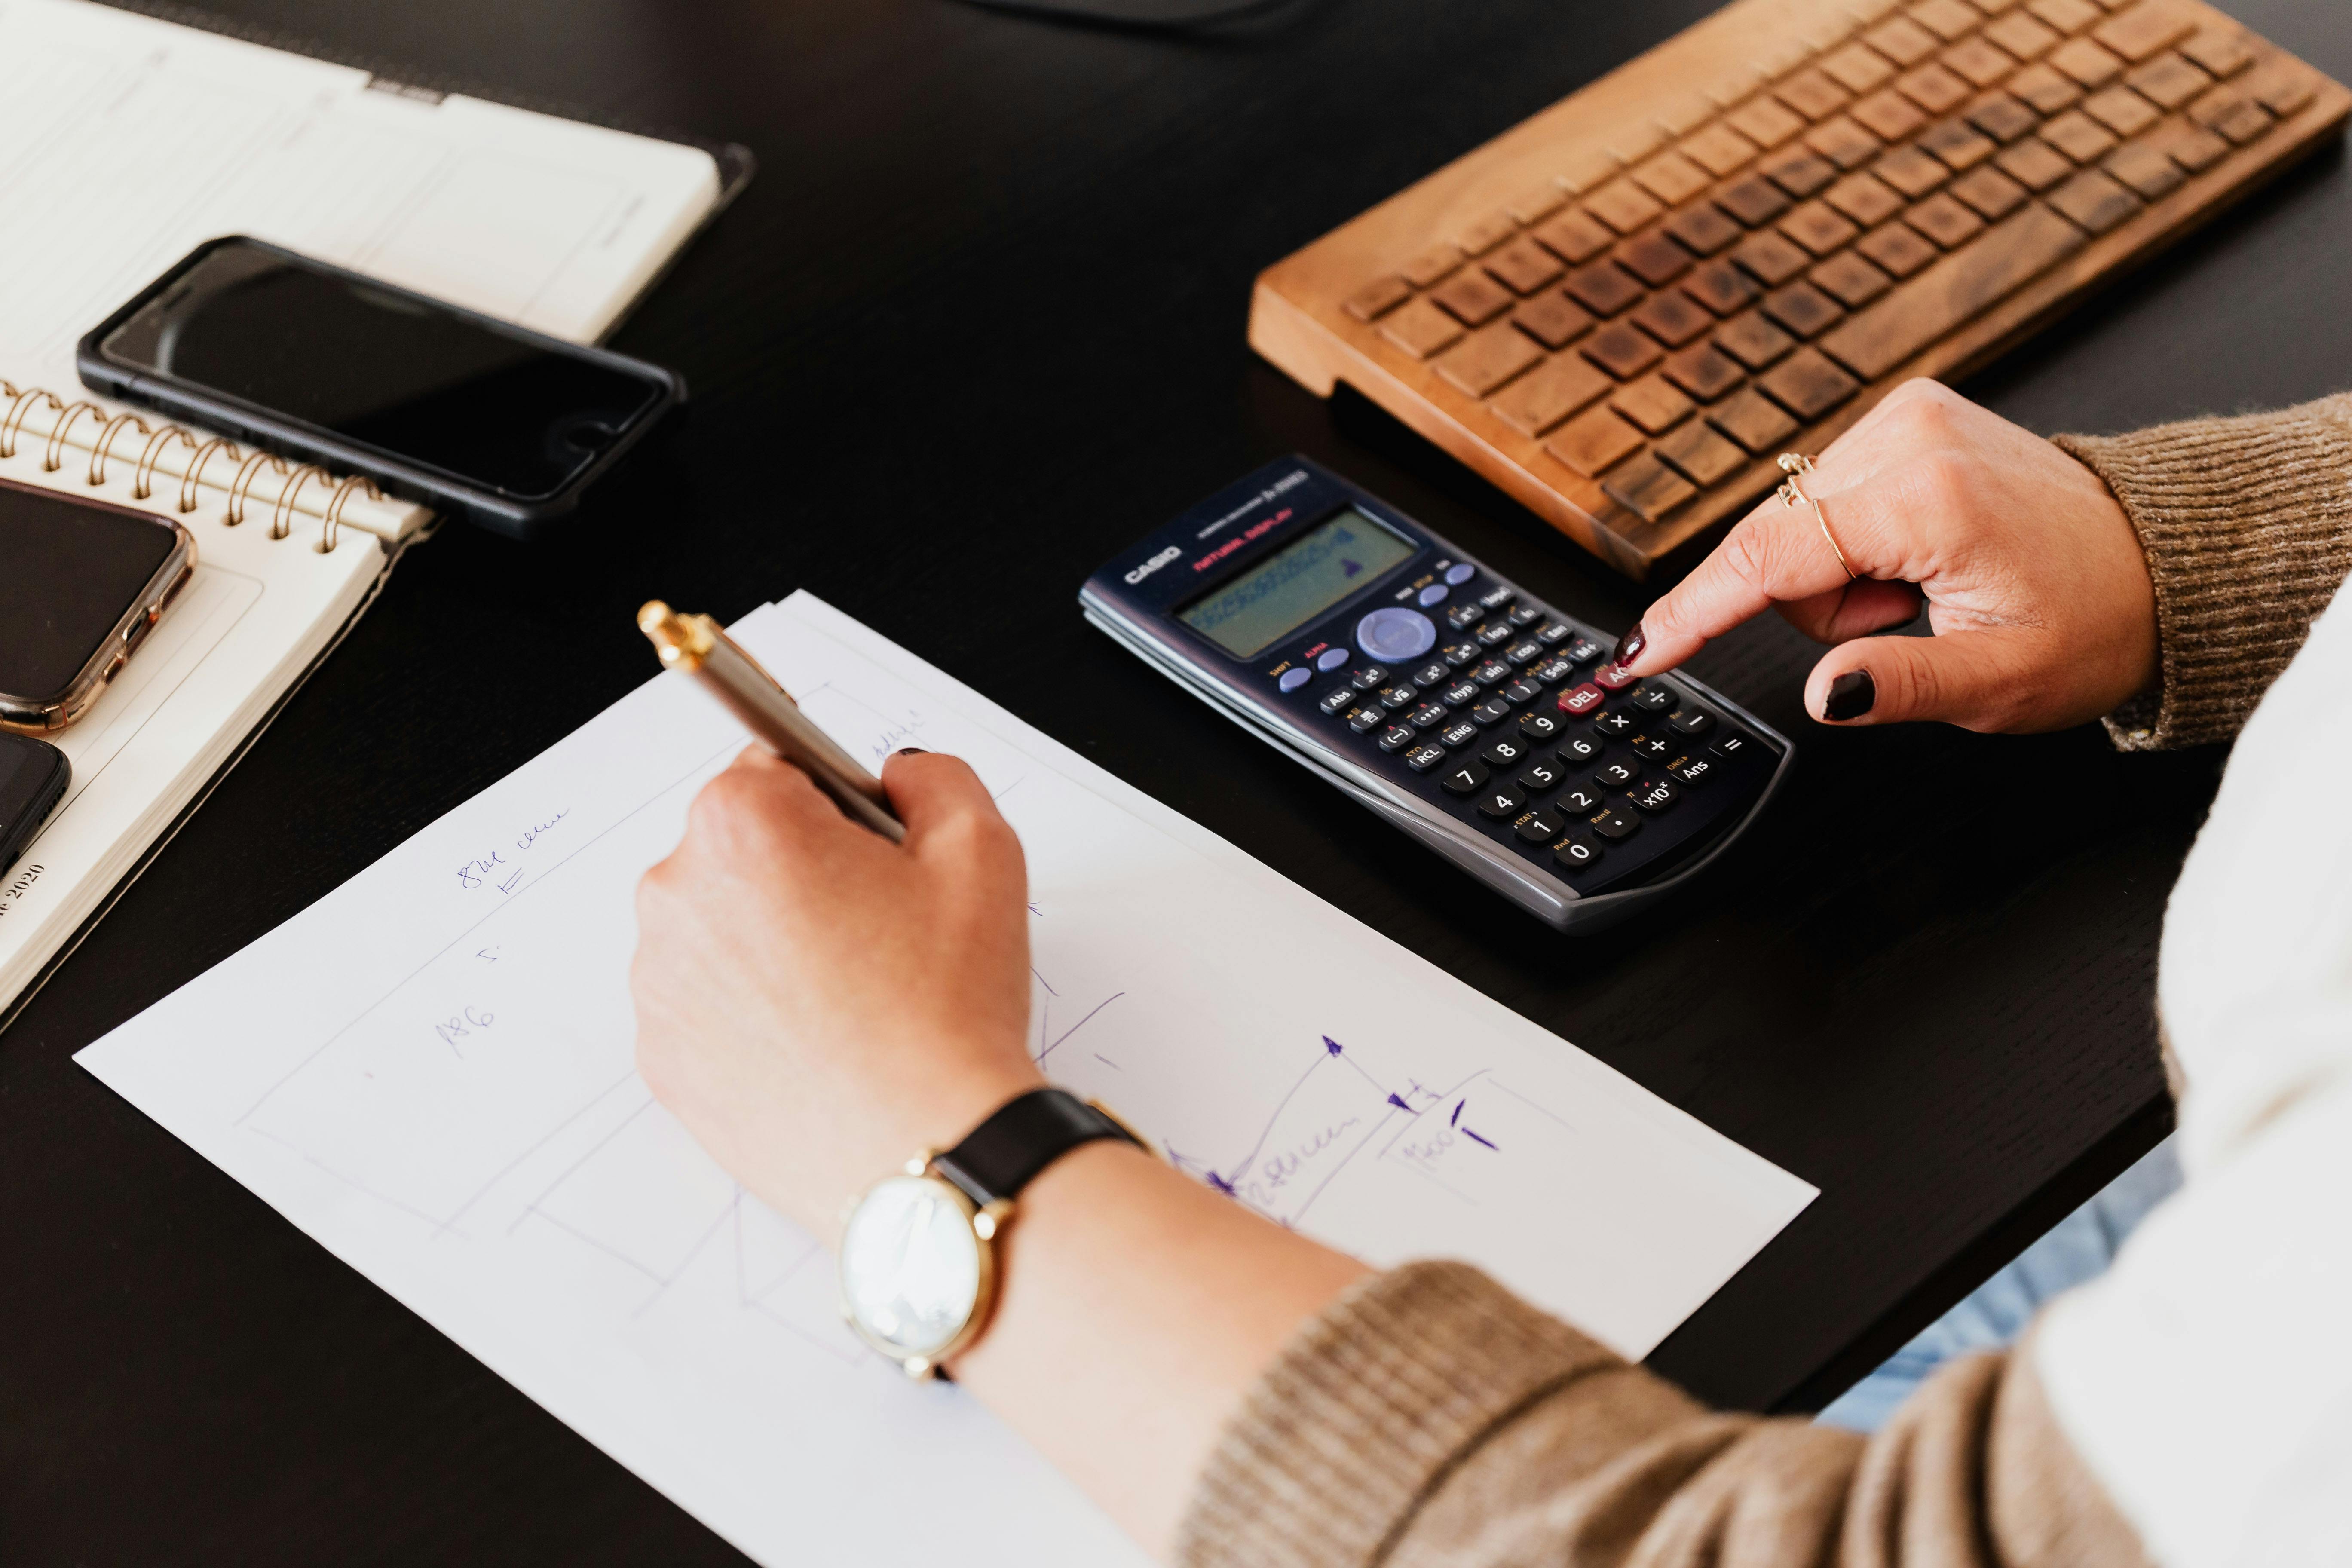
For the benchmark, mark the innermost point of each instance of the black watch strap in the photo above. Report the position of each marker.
(1025, 1135)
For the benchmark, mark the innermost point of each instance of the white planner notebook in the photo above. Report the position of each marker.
(431, 1072)
(132, 141)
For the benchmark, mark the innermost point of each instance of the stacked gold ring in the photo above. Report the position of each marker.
(1796, 465)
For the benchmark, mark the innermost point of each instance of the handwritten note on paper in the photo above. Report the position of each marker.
(430, 1072)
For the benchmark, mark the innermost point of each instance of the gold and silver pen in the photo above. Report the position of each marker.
(695, 646)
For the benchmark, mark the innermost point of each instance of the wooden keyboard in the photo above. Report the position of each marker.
(1622, 309)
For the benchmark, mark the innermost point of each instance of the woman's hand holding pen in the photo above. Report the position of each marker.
(2034, 579)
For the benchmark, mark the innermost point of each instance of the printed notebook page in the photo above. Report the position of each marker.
(430, 1071)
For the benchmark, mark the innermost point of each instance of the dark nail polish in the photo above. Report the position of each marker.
(912, 752)
(1630, 647)
(1850, 695)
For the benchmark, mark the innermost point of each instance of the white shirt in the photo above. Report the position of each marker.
(2207, 1378)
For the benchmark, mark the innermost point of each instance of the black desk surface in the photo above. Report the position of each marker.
(977, 323)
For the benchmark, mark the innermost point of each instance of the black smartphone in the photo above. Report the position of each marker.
(463, 413)
(81, 581)
(33, 777)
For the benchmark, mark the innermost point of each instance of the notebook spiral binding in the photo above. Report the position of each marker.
(249, 468)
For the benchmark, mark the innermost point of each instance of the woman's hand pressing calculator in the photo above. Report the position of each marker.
(1488, 726)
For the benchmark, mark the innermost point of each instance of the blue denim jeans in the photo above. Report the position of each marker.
(2079, 1247)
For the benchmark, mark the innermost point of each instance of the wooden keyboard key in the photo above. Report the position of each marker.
(1764, 121)
(2086, 62)
(1623, 205)
(1374, 300)
(1812, 94)
(2022, 35)
(1902, 40)
(1526, 266)
(1957, 145)
(1888, 115)
(1843, 143)
(1432, 265)
(1705, 372)
(1934, 89)
(1575, 237)
(1912, 171)
(1720, 287)
(1801, 173)
(2079, 136)
(1752, 420)
(1648, 488)
(1771, 258)
(2146, 30)
(1807, 385)
(1979, 61)
(2122, 110)
(2045, 88)
(2167, 80)
(1993, 194)
(2222, 51)
(1671, 178)
(1604, 288)
(1619, 350)
(2192, 147)
(1652, 403)
(2146, 168)
(2002, 118)
(1420, 327)
(2095, 201)
(2283, 87)
(1720, 150)
(1850, 279)
(1948, 19)
(1472, 298)
(1864, 199)
(1859, 68)
(1754, 201)
(1944, 221)
(1703, 228)
(2245, 123)
(1591, 442)
(1803, 310)
(1700, 454)
(1545, 396)
(2035, 164)
(1753, 341)
(1872, 343)
(1486, 234)
(1553, 319)
(1539, 202)
(1654, 259)
(1489, 359)
(1817, 227)
(1899, 248)
(2066, 15)
(1672, 319)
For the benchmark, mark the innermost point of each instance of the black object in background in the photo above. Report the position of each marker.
(440, 404)
(33, 776)
(81, 581)
(1142, 16)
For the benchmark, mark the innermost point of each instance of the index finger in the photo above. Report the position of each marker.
(1776, 554)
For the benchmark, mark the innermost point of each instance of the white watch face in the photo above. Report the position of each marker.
(910, 1265)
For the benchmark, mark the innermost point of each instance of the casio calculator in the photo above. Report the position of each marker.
(1430, 689)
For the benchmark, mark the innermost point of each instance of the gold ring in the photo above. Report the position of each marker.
(1796, 465)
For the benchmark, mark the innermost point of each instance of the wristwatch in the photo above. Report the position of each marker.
(918, 1252)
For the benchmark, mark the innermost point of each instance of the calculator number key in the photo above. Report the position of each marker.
(1538, 828)
(1578, 749)
(1575, 854)
(1501, 802)
(1541, 726)
(1580, 800)
(1464, 777)
(1654, 796)
(1540, 777)
(1614, 775)
(1505, 752)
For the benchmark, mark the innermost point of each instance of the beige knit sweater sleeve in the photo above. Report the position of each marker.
(1430, 1419)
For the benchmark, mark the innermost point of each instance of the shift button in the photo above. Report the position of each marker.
(1393, 634)
(1295, 676)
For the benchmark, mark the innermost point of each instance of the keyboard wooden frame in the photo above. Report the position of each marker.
(1298, 318)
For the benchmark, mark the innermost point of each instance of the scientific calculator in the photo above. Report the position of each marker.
(1483, 722)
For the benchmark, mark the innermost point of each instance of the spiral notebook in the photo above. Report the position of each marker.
(132, 138)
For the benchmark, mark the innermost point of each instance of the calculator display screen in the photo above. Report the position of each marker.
(1294, 584)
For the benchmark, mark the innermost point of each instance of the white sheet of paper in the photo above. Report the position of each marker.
(429, 1071)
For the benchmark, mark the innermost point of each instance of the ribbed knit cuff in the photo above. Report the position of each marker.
(1367, 1410)
(2247, 524)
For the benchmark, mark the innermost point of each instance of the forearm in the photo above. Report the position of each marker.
(1138, 1309)
(2247, 527)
